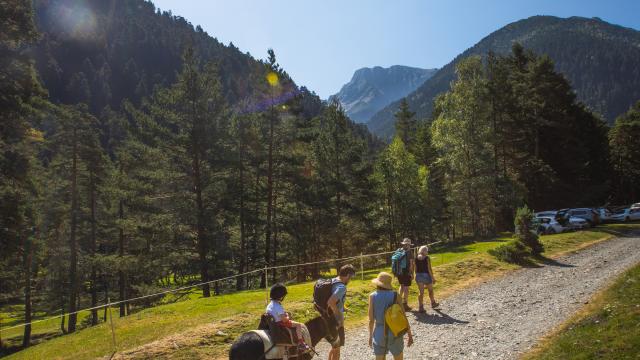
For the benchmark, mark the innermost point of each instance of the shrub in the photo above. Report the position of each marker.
(512, 252)
(525, 230)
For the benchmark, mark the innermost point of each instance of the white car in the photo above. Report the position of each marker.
(550, 213)
(549, 225)
(577, 223)
(635, 206)
(627, 215)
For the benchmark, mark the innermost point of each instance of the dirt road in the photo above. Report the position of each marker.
(504, 317)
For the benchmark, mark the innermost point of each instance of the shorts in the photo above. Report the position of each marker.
(341, 336)
(424, 278)
(395, 346)
(404, 279)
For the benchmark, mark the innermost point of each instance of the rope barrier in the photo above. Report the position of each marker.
(265, 270)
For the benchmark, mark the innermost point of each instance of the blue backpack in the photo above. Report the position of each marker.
(399, 262)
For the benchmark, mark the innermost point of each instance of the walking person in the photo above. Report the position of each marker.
(336, 304)
(380, 300)
(425, 277)
(402, 266)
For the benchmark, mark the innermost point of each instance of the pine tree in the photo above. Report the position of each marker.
(406, 123)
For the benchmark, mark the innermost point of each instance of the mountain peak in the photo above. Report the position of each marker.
(372, 88)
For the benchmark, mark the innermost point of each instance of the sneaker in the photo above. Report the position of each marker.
(434, 305)
(406, 307)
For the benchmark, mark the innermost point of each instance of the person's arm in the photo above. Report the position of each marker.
(332, 303)
(412, 266)
(433, 278)
(409, 334)
(371, 320)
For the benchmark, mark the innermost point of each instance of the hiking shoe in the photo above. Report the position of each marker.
(435, 305)
(406, 307)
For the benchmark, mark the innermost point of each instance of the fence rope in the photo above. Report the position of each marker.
(265, 270)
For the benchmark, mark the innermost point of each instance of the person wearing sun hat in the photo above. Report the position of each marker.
(379, 301)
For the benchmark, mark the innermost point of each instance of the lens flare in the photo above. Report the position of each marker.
(74, 19)
(272, 78)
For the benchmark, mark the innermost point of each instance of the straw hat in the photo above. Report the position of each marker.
(383, 280)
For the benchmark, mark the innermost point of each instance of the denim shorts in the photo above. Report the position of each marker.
(424, 278)
(395, 346)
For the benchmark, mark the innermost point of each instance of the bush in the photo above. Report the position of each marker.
(512, 252)
(525, 230)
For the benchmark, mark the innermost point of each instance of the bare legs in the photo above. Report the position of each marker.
(334, 354)
(429, 287)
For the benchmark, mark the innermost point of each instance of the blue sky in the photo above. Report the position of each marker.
(321, 43)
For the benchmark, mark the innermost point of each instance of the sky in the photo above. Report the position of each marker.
(321, 43)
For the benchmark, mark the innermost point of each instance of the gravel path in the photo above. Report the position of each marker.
(506, 316)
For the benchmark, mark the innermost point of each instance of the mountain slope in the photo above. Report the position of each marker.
(102, 52)
(601, 60)
(371, 89)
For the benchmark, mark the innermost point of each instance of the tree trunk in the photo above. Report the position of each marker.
(28, 259)
(73, 259)
(121, 275)
(94, 288)
(267, 243)
(203, 247)
(241, 281)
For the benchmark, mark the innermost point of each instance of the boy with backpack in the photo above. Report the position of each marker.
(402, 267)
(329, 296)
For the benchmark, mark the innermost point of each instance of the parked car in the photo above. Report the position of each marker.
(635, 206)
(605, 214)
(577, 223)
(562, 216)
(625, 215)
(549, 225)
(586, 213)
(547, 213)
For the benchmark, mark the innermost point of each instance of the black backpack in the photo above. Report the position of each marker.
(322, 291)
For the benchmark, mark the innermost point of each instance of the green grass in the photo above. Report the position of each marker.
(607, 328)
(209, 325)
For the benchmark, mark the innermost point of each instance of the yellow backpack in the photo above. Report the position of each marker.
(395, 318)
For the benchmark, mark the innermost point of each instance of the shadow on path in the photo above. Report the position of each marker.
(439, 318)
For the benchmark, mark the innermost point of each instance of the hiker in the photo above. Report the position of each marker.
(425, 277)
(381, 318)
(281, 318)
(402, 267)
(336, 305)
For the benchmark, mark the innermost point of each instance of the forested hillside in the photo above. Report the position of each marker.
(599, 59)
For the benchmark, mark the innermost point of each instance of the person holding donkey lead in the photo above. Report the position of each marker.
(402, 267)
(425, 277)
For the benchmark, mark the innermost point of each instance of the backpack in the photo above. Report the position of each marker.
(399, 262)
(395, 318)
(322, 291)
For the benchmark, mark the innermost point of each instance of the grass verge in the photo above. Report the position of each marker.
(205, 327)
